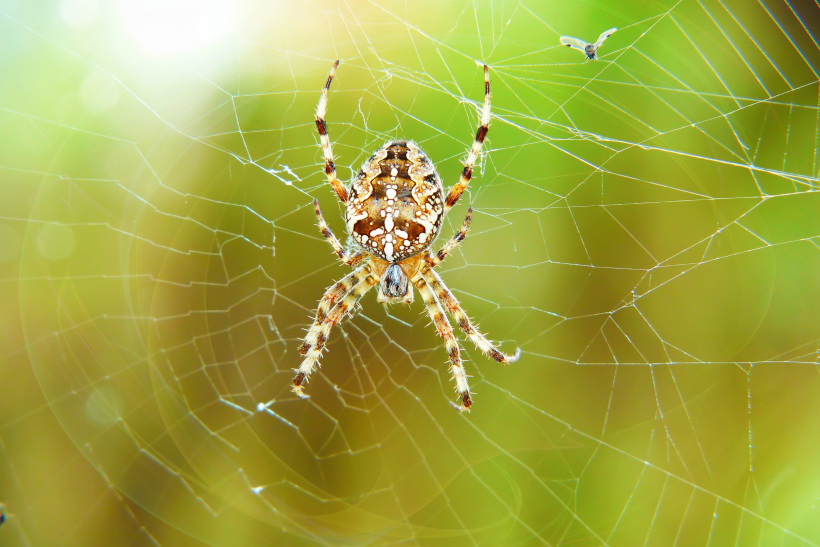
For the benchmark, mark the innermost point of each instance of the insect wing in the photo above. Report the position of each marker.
(574, 43)
(604, 35)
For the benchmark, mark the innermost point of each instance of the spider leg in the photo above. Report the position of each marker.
(455, 309)
(483, 128)
(445, 330)
(350, 260)
(457, 238)
(315, 340)
(337, 291)
(321, 126)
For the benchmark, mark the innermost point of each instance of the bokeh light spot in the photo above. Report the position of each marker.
(104, 406)
(56, 241)
(80, 14)
(176, 26)
(99, 92)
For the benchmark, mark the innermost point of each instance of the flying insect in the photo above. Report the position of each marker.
(590, 50)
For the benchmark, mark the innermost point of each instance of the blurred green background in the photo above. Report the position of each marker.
(646, 229)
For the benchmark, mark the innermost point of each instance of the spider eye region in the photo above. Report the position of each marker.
(396, 203)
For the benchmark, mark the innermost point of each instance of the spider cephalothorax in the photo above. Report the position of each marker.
(395, 208)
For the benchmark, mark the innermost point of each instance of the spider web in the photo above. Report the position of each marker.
(645, 229)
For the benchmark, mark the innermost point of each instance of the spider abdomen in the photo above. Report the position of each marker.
(396, 202)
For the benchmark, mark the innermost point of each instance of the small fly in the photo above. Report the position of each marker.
(590, 50)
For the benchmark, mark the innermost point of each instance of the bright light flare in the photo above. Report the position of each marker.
(177, 26)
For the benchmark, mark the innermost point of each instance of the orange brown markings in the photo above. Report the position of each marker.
(337, 317)
(364, 227)
(299, 379)
(327, 320)
(379, 266)
(338, 289)
(465, 400)
(321, 126)
(340, 252)
(325, 304)
(441, 323)
(448, 247)
(481, 133)
(342, 308)
(412, 265)
(453, 353)
(452, 198)
(329, 167)
(464, 324)
(453, 307)
(397, 150)
(339, 311)
(497, 355)
(413, 229)
(340, 191)
(332, 74)
(458, 189)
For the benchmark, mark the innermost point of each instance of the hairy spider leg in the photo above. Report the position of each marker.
(445, 330)
(321, 126)
(336, 292)
(458, 313)
(349, 259)
(448, 248)
(483, 128)
(315, 341)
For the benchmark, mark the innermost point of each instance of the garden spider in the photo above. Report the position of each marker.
(395, 208)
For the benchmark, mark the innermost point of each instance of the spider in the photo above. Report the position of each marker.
(395, 208)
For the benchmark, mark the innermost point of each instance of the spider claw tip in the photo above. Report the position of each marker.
(516, 356)
(461, 408)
